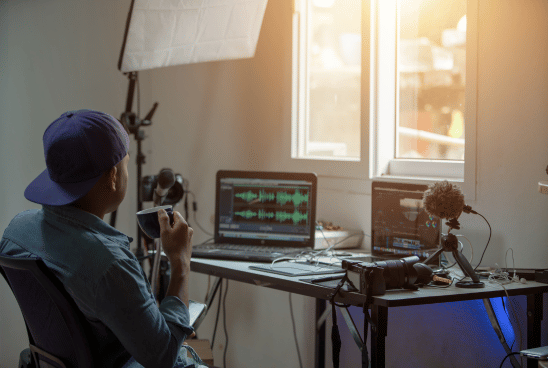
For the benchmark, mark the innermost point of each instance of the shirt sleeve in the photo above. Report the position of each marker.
(124, 303)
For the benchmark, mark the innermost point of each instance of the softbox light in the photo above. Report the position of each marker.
(162, 33)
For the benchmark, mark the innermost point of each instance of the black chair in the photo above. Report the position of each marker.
(57, 329)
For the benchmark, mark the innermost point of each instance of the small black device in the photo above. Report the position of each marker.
(540, 276)
(383, 275)
(197, 313)
(400, 226)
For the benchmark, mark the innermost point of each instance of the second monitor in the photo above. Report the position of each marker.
(400, 226)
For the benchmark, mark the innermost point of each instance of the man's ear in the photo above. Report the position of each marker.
(112, 178)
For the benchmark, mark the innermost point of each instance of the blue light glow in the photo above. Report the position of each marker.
(502, 317)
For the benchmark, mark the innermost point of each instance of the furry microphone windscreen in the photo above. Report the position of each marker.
(444, 200)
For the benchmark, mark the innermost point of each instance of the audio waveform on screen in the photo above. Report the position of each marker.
(280, 216)
(281, 197)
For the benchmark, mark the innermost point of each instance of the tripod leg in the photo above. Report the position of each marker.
(465, 266)
(433, 256)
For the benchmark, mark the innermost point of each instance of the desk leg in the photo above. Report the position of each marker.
(319, 350)
(534, 316)
(379, 316)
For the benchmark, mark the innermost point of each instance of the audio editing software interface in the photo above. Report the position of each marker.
(400, 225)
(265, 209)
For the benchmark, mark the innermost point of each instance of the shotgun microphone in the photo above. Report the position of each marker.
(445, 200)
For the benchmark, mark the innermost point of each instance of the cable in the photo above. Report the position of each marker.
(205, 241)
(461, 250)
(218, 313)
(471, 247)
(504, 277)
(208, 286)
(194, 212)
(224, 325)
(513, 262)
(333, 245)
(488, 240)
(314, 256)
(295, 331)
(138, 95)
(507, 355)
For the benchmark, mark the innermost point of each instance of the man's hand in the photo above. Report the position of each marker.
(176, 239)
(189, 337)
(177, 244)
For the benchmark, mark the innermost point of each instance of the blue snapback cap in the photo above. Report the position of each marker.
(79, 147)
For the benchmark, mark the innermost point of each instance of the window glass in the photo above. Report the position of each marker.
(431, 64)
(334, 74)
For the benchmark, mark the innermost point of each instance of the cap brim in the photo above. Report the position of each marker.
(43, 190)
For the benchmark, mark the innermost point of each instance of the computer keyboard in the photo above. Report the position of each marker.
(252, 253)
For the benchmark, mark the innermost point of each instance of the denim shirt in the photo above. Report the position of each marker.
(93, 261)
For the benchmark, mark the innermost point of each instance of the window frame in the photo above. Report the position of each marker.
(377, 160)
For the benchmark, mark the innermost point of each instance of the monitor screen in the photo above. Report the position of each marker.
(266, 208)
(400, 226)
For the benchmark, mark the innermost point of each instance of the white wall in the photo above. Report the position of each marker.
(55, 56)
(60, 55)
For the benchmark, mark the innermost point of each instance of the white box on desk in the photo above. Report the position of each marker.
(343, 239)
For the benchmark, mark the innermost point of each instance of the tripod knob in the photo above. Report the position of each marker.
(449, 242)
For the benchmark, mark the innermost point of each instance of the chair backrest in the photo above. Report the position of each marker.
(55, 324)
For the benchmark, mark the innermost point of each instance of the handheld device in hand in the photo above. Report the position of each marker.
(197, 312)
(536, 353)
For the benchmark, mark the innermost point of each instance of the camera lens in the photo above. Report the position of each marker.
(399, 273)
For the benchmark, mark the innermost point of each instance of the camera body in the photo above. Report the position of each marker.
(383, 275)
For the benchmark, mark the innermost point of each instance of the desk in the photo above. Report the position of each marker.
(239, 271)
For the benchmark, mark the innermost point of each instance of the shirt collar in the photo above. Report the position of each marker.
(84, 218)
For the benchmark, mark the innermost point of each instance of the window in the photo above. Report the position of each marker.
(329, 79)
(384, 83)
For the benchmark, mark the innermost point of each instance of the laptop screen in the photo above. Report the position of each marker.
(400, 226)
(265, 208)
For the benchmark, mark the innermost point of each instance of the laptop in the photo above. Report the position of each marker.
(262, 216)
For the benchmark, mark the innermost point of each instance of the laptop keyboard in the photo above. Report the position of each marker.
(253, 253)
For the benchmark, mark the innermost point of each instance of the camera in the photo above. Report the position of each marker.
(377, 277)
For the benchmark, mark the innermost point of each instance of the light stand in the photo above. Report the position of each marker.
(450, 243)
(133, 125)
(160, 34)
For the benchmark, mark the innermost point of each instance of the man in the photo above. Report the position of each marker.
(86, 177)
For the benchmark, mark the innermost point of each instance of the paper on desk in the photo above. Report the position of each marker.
(173, 32)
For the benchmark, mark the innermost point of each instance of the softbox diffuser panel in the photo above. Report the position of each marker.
(162, 33)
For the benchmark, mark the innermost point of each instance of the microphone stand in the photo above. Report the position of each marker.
(133, 125)
(450, 243)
